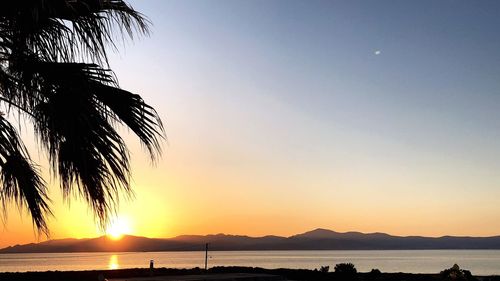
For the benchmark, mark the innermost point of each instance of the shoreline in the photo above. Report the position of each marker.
(285, 273)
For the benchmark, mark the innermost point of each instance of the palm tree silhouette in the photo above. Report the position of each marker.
(53, 73)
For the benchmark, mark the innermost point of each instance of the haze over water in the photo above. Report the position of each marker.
(480, 262)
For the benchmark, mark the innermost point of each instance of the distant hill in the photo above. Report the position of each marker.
(318, 239)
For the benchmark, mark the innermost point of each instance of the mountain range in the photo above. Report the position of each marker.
(318, 239)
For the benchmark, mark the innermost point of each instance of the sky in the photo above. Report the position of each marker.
(285, 116)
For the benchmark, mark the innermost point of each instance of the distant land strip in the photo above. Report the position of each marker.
(318, 239)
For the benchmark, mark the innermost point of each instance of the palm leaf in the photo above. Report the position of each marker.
(50, 57)
(131, 109)
(20, 179)
(84, 148)
(69, 30)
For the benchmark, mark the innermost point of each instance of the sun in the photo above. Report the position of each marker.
(117, 228)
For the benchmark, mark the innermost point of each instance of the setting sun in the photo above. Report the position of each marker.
(117, 228)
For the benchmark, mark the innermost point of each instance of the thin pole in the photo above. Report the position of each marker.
(206, 256)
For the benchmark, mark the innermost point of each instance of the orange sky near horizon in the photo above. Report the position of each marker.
(280, 126)
(173, 200)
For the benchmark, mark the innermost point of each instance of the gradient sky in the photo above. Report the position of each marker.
(284, 116)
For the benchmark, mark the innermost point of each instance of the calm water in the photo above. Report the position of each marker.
(428, 261)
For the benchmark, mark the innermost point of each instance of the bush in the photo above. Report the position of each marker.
(456, 274)
(375, 271)
(324, 269)
(374, 274)
(345, 269)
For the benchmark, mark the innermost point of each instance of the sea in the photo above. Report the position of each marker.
(479, 262)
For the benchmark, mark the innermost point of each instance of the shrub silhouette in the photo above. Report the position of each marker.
(456, 274)
(375, 271)
(346, 269)
(324, 269)
(374, 274)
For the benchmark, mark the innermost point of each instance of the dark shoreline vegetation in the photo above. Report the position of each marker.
(321, 274)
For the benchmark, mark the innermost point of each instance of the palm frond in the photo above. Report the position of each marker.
(84, 148)
(111, 101)
(21, 89)
(51, 52)
(20, 179)
(131, 109)
(62, 30)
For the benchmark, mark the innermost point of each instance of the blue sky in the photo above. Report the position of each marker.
(292, 97)
(434, 83)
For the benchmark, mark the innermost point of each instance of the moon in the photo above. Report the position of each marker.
(377, 52)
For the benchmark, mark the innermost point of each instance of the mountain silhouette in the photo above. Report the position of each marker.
(318, 239)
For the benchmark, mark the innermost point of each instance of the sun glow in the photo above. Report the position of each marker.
(117, 228)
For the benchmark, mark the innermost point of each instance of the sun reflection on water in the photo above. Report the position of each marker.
(113, 262)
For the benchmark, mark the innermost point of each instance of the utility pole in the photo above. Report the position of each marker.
(206, 256)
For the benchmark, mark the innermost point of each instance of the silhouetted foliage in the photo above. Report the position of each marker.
(324, 269)
(54, 75)
(346, 271)
(345, 268)
(374, 274)
(286, 274)
(456, 274)
(490, 278)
